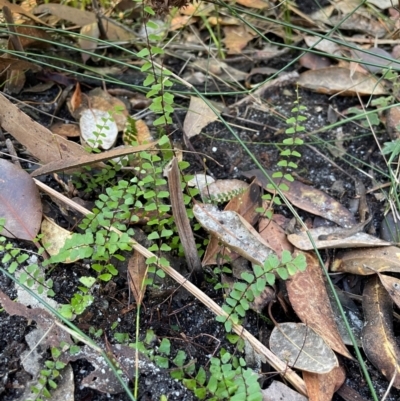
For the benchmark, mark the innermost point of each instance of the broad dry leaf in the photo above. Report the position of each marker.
(321, 387)
(220, 70)
(137, 270)
(198, 117)
(39, 141)
(234, 232)
(368, 261)
(340, 80)
(379, 342)
(309, 299)
(54, 237)
(236, 38)
(274, 235)
(308, 198)
(359, 240)
(302, 348)
(85, 43)
(88, 158)
(71, 14)
(20, 203)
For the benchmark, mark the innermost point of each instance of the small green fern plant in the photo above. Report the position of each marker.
(243, 293)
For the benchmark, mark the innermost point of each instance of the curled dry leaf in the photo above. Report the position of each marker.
(137, 270)
(234, 232)
(198, 117)
(302, 348)
(323, 386)
(20, 203)
(308, 198)
(309, 299)
(379, 342)
(368, 261)
(334, 80)
(274, 235)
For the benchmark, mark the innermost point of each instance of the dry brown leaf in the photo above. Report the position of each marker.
(137, 269)
(340, 80)
(116, 33)
(197, 8)
(38, 140)
(71, 14)
(181, 21)
(93, 31)
(368, 261)
(88, 158)
(379, 342)
(274, 235)
(76, 98)
(259, 4)
(321, 387)
(66, 130)
(308, 198)
(20, 202)
(236, 38)
(198, 117)
(310, 301)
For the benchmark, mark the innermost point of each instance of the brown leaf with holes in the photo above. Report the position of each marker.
(322, 386)
(379, 342)
(137, 269)
(368, 261)
(310, 301)
(308, 198)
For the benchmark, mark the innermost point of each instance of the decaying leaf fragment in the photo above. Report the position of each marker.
(310, 300)
(392, 285)
(302, 348)
(234, 232)
(379, 342)
(368, 261)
